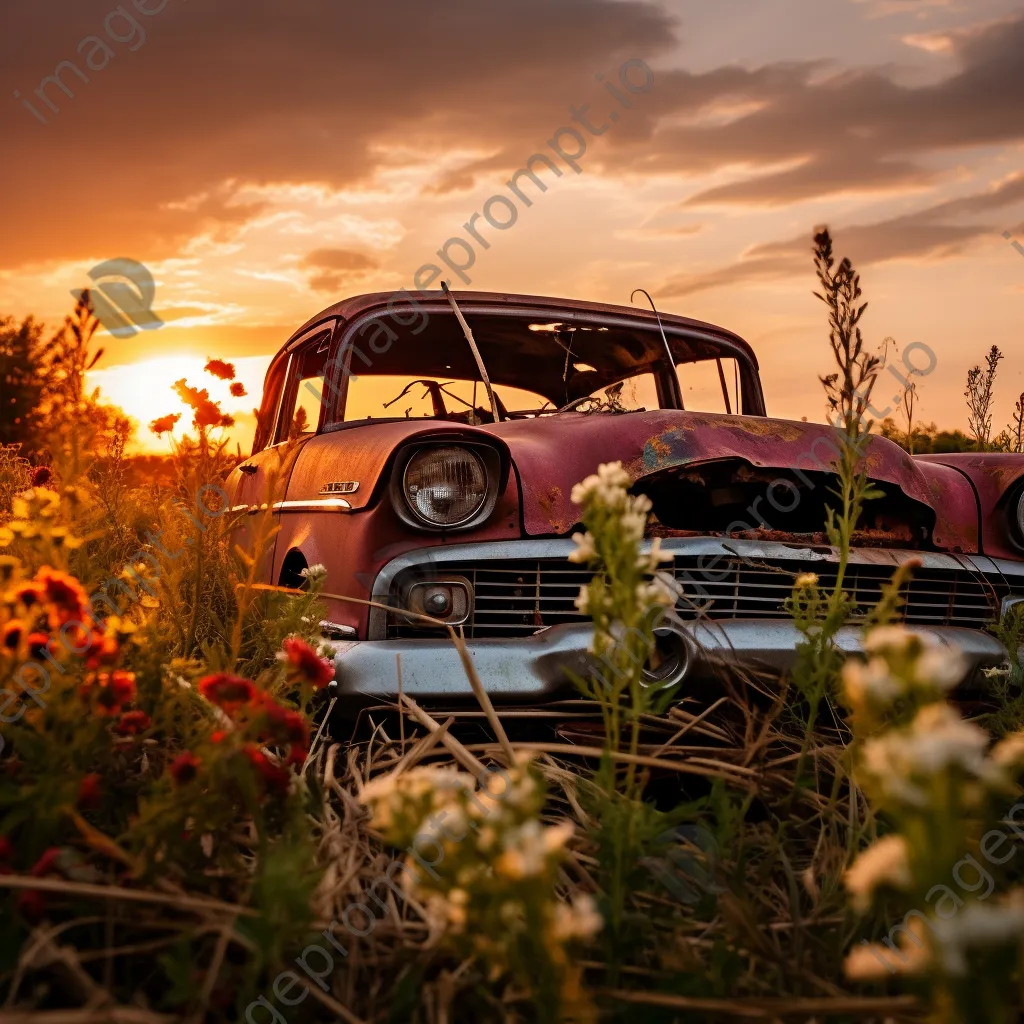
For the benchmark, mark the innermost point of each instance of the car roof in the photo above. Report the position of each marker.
(355, 306)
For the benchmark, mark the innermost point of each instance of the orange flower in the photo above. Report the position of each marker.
(184, 768)
(89, 792)
(227, 691)
(221, 369)
(164, 424)
(38, 643)
(29, 594)
(65, 595)
(238, 389)
(306, 665)
(205, 412)
(102, 650)
(11, 636)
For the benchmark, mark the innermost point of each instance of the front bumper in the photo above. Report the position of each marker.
(539, 666)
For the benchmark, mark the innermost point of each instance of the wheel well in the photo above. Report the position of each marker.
(291, 570)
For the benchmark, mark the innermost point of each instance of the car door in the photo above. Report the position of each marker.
(290, 413)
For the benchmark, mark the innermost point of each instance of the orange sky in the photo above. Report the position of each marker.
(265, 160)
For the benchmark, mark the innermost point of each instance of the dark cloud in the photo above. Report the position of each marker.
(336, 268)
(928, 234)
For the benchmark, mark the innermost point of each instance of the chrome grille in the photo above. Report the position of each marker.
(516, 597)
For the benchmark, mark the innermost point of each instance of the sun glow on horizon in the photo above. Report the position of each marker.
(144, 390)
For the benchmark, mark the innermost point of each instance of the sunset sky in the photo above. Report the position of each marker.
(265, 159)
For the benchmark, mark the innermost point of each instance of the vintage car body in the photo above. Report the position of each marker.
(739, 498)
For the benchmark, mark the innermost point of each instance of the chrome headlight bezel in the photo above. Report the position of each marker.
(406, 510)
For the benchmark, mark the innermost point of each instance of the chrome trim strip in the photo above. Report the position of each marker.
(305, 505)
(709, 547)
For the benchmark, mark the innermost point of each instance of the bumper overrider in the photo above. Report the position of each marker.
(513, 600)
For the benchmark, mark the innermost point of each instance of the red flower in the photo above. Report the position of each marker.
(68, 600)
(31, 904)
(284, 726)
(275, 778)
(11, 635)
(42, 476)
(164, 424)
(102, 650)
(90, 793)
(184, 768)
(228, 691)
(112, 690)
(238, 389)
(305, 663)
(6, 851)
(132, 723)
(47, 864)
(221, 369)
(218, 736)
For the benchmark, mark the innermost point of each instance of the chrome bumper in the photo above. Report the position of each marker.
(539, 666)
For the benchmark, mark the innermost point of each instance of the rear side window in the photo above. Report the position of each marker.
(304, 393)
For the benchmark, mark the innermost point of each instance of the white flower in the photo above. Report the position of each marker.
(871, 960)
(941, 667)
(387, 795)
(314, 572)
(872, 683)
(883, 863)
(891, 639)
(632, 524)
(609, 486)
(585, 550)
(528, 847)
(1008, 753)
(578, 921)
(978, 924)
(582, 601)
(938, 740)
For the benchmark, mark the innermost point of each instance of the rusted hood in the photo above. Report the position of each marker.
(553, 454)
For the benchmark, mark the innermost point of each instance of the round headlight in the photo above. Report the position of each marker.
(445, 486)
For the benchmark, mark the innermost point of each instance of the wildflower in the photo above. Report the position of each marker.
(285, 727)
(89, 792)
(580, 920)
(654, 557)
(220, 369)
(938, 740)
(38, 644)
(6, 536)
(31, 904)
(528, 847)
(871, 961)
(218, 736)
(164, 424)
(305, 664)
(608, 485)
(870, 684)
(47, 863)
(1008, 753)
(111, 690)
(8, 563)
(205, 412)
(977, 924)
(65, 595)
(806, 580)
(29, 594)
(132, 723)
(277, 779)
(184, 768)
(387, 795)
(884, 863)
(41, 476)
(102, 650)
(313, 572)
(227, 691)
(889, 639)
(238, 389)
(11, 636)
(585, 551)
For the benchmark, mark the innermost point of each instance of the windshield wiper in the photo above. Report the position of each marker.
(476, 352)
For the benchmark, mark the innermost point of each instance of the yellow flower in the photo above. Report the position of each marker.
(6, 536)
(806, 579)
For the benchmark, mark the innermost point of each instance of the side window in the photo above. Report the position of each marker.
(304, 394)
(634, 394)
(710, 385)
(265, 421)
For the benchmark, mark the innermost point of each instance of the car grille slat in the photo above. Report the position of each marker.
(518, 597)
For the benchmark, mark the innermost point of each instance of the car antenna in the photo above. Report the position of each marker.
(668, 351)
(476, 352)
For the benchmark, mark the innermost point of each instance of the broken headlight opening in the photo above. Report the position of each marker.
(445, 486)
(448, 598)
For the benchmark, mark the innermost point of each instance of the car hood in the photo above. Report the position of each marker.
(551, 454)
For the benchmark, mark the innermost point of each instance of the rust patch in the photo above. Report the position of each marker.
(552, 503)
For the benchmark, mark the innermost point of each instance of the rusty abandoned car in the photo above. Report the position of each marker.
(435, 440)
